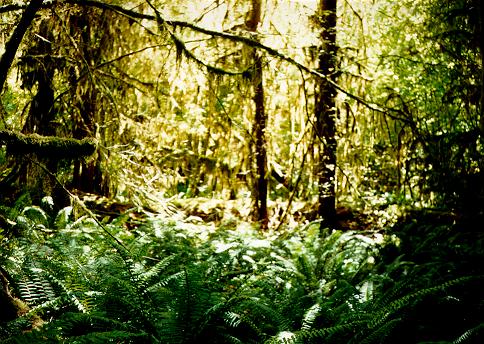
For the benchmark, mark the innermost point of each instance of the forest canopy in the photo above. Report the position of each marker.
(270, 153)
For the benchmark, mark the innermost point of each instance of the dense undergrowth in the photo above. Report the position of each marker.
(87, 280)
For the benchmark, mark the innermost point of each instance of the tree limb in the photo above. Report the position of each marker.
(225, 35)
(180, 45)
(47, 146)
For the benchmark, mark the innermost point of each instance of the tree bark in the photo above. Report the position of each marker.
(325, 111)
(10, 307)
(92, 31)
(481, 50)
(260, 121)
(13, 43)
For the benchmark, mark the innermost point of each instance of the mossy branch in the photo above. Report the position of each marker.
(47, 146)
(213, 33)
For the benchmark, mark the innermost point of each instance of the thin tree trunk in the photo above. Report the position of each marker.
(481, 49)
(39, 71)
(325, 110)
(260, 120)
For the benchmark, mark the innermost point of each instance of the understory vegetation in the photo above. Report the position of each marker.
(149, 279)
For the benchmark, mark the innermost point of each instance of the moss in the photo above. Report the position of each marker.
(47, 146)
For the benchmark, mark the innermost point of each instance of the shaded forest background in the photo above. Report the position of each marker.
(341, 138)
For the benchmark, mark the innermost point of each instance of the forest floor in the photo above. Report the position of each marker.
(409, 277)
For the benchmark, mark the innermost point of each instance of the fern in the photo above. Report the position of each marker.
(472, 335)
(310, 316)
(382, 315)
(84, 328)
(379, 334)
(324, 333)
(36, 289)
(63, 218)
(151, 274)
(111, 336)
(159, 283)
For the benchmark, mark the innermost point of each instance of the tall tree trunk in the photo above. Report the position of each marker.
(92, 31)
(260, 120)
(38, 68)
(325, 111)
(481, 50)
(9, 308)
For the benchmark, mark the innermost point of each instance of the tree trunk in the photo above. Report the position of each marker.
(91, 30)
(10, 307)
(481, 49)
(37, 68)
(325, 111)
(14, 42)
(260, 120)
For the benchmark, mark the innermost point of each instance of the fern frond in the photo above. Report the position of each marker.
(379, 334)
(166, 281)
(156, 271)
(310, 316)
(54, 304)
(326, 332)
(114, 336)
(231, 339)
(476, 332)
(383, 300)
(14, 328)
(232, 319)
(36, 216)
(70, 294)
(260, 318)
(381, 316)
(36, 288)
(63, 218)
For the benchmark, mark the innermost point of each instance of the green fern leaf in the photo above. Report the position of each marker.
(63, 218)
(378, 335)
(329, 331)
(476, 332)
(382, 316)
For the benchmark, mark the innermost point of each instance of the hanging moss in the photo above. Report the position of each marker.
(47, 146)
